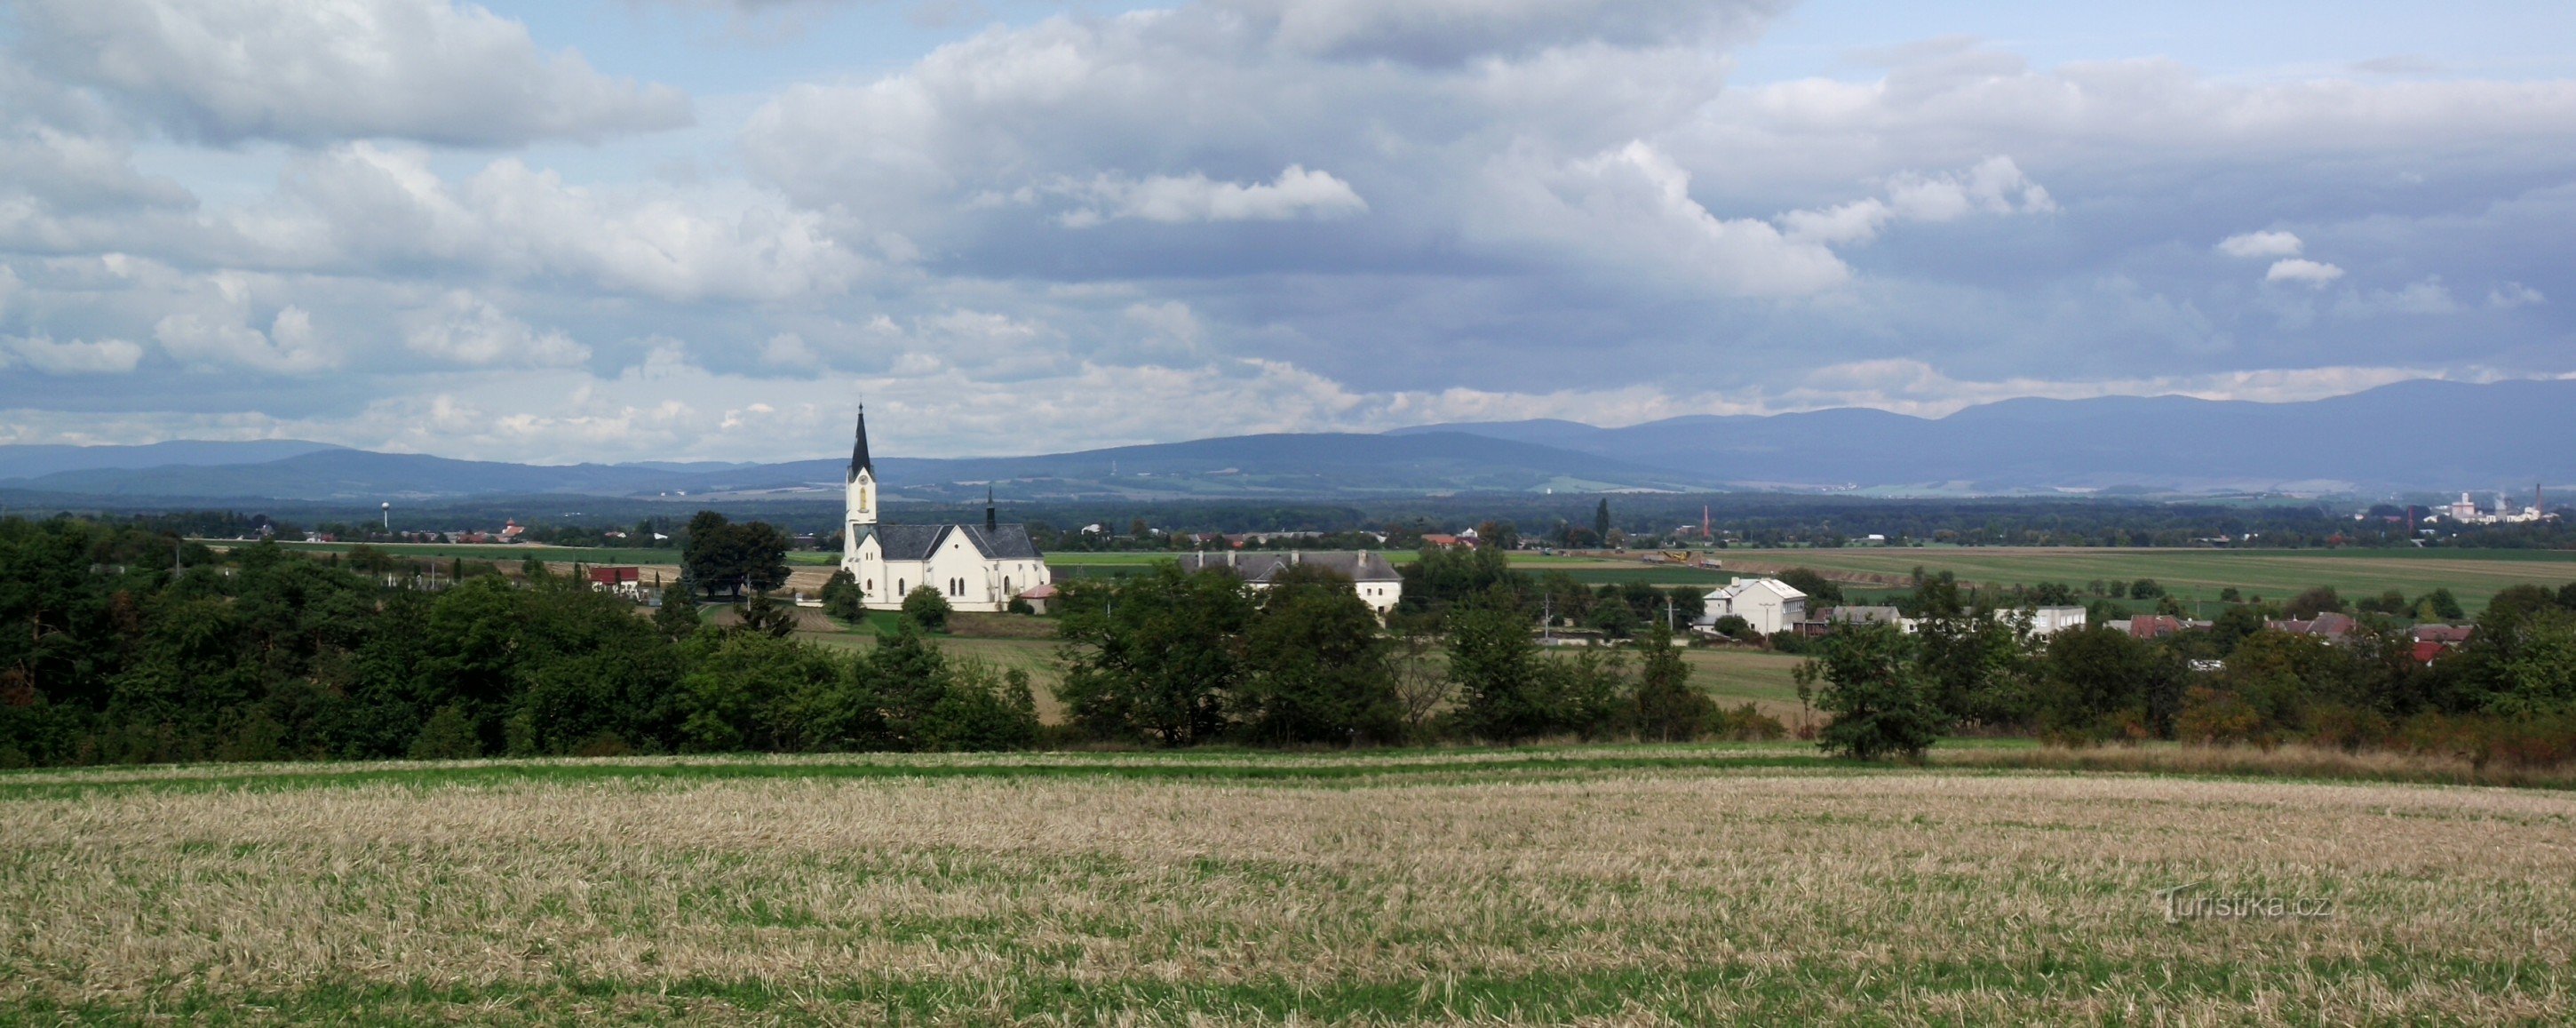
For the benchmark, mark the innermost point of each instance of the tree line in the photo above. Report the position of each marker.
(1971, 666)
(125, 646)
(1177, 659)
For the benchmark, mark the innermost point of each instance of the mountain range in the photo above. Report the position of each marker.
(2417, 435)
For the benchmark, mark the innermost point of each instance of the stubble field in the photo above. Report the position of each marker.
(1637, 885)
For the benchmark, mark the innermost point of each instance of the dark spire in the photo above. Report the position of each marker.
(859, 449)
(991, 521)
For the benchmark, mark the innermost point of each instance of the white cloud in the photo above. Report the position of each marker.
(1994, 186)
(1194, 197)
(788, 350)
(2514, 294)
(365, 204)
(2261, 244)
(71, 356)
(1631, 208)
(2303, 271)
(2141, 123)
(320, 70)
(466, 330)
(216, 331)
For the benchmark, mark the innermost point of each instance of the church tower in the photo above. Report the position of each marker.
(861, 502)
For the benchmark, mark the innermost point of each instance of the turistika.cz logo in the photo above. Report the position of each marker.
(2182, 903)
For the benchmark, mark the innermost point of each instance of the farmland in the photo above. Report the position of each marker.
(1629, 885)
(2198, 575)
(2195, 576)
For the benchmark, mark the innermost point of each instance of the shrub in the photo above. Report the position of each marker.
(1746, 724)
(924, 607)
(449, 735)
(842, 598)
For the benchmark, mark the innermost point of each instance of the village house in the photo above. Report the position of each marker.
(1371, 576)
(1769, 605)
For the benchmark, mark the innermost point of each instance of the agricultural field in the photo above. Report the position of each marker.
(1751, 884)
(512, 552)
(2196, 575)
(1587, 570)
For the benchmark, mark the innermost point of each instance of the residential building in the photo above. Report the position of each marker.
(626, 582)
(1371, 576)
(1767, 604)
(2327, 624)
(2046, 620)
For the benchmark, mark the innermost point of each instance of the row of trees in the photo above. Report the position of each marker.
(1175, 659)
(113, 657)
(1966, 669)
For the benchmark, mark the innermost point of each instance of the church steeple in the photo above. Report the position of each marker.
(991, 519)
(859, 449)
(862, 494)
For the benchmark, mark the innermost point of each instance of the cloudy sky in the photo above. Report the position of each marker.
(701, 229)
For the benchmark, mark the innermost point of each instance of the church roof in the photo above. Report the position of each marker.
(918, 542)
(859, 449)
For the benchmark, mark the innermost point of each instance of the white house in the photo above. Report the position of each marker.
(977, 567)
(2046, 620)
(1371, 576)
(1768, 604)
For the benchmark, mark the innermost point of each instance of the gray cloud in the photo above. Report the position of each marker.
(431, 70)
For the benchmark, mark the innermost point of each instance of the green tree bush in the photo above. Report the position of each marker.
(1866, 678)
(926, 609)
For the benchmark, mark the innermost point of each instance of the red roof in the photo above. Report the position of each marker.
(616, 576)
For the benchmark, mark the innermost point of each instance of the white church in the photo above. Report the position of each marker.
(977, 567)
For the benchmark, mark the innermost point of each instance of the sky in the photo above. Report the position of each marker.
(617, 230)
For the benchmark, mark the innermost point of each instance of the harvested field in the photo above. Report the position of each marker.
(1632, 885)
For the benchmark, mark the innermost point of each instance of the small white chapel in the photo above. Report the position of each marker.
(976, 567)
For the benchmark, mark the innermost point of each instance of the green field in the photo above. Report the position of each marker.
(1587, 570)
(1740, 884)
(513, 552)
(2473, 575)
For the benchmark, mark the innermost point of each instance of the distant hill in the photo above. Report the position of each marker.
(30, 461)
(2421, 435)
(2410, 435)
(1287, 466)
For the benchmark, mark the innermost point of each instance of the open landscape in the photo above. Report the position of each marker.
(1195, 513)
(1626, 885)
